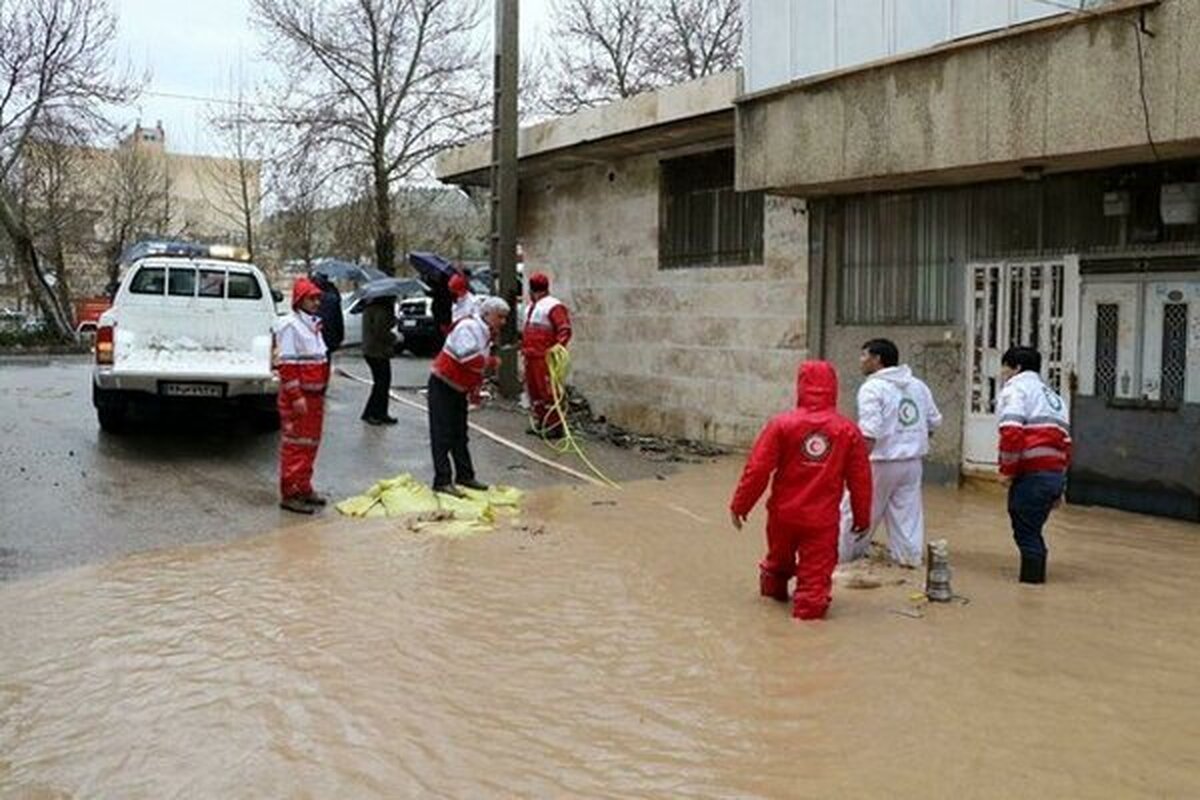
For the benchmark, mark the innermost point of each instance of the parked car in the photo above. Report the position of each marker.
(419, 332)
(186, 329)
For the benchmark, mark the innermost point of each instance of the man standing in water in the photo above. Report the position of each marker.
(896, 414)
(1035, 451)
(814, 454)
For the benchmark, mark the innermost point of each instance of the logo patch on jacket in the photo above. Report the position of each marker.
(816, 446)
(1053, 399)
(908, 412)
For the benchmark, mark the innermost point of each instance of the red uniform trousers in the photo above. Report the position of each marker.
(301, 433)
(541, 395)
(809, 554)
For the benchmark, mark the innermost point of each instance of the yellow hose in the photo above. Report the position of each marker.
(558, 363)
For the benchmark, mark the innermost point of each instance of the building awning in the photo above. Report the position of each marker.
(696, 115)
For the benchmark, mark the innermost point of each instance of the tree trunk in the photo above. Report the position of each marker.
(385, 240)
(27, 261)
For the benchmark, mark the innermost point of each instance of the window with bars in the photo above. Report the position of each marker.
(703, 222)
(1107, 326)
(1174, 351)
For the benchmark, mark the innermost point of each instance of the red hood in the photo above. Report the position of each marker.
(816, 386)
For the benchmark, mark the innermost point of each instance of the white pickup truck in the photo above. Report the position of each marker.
(185, 329)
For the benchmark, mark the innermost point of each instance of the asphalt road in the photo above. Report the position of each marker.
(72, 495)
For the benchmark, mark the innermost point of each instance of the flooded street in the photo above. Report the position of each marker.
(610, 644)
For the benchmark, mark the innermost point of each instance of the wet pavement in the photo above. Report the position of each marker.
(611, 645)
(73, 495)
(182, 639)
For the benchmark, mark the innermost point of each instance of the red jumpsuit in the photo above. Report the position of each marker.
(548, 323)
(303, 374)
(814, 453)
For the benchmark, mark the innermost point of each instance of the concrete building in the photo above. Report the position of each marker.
(957, 175)
(1033, 183)
(688, 298)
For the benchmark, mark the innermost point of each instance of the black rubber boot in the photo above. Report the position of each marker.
(1033, 569)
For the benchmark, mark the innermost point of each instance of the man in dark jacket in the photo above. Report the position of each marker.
(333, 327)
(379, 343)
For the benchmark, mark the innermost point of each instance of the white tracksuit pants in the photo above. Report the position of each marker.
(896, 499)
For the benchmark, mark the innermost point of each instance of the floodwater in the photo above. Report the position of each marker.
(610, 645)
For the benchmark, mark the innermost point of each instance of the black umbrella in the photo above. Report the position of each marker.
(386, 287)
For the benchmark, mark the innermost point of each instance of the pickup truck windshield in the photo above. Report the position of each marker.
(190, 282)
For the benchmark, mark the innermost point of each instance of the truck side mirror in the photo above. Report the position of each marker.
(276, 295)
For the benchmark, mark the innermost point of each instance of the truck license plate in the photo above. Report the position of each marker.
(409, 323)
(193, 389)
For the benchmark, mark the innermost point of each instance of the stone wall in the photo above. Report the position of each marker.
(704, 353)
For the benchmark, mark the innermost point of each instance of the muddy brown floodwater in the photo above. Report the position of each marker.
(614, 646)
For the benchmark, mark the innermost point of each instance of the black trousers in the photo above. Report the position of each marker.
(448, 433)
(381, 377)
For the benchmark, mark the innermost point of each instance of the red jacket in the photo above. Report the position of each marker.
(1035, 434)
(465, 356)
(548, 323)
(814, 453)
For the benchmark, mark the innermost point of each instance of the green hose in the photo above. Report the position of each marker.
(558, 364)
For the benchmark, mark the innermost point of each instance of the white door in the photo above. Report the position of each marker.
(1031, 303)
(1141, 339)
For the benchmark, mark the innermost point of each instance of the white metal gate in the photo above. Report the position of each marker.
(1140, 339)
(1032, 303)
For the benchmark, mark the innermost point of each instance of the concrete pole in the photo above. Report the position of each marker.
(504, 184)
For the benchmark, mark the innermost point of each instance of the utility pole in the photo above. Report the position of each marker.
(504, 185)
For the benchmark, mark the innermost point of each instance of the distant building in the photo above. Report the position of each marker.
(189, 197)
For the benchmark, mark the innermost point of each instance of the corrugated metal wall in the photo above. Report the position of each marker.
(790, 39)
(899, 258)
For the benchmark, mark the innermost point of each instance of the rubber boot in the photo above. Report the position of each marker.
(1033, 569)
(773, 586)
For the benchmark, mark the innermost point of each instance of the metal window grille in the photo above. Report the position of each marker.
(1107, 325)
(703, 221)
(1174, 351)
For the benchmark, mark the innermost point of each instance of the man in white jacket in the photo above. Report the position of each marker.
(896, 415)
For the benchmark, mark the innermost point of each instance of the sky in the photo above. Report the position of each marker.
(198, 48)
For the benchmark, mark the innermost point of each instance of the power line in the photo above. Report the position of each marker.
(195, 98)
(1139, 28)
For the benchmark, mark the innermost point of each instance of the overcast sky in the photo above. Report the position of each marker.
(196, 48)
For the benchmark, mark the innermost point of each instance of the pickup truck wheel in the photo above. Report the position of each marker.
(266, 420)
(111, 418)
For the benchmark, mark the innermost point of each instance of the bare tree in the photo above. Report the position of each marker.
(378, 86)
(602, 52)
(55, 204)
(55, 65)
(696, 38)
(606, 50)
(136, 188)
(232, 185)
(300, 196)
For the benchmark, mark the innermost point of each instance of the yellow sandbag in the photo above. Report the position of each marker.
(404, 496)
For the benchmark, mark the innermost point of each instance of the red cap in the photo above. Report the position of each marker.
(539, 282)
(458, 285)
(303, 288)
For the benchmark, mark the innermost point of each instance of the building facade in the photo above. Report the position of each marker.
(688, 298)
(1035, 184)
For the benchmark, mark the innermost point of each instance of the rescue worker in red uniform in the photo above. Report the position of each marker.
(303, 369)
(547, 323)
(456, 374)
(814, 454)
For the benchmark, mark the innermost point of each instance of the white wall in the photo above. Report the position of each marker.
(786, 40)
